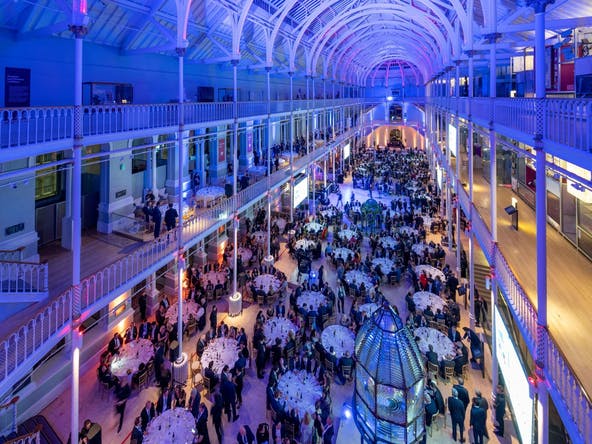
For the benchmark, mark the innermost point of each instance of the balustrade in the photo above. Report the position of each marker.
(23, 277)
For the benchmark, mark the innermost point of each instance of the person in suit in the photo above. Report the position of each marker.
(432, 355)
(144, 330)
(137, 432)
(148, 413)
(457, 415)
(328, 431)
(131, 334)
(463, 393)
(122, 392)
(482, 402)
(228, 392)
(164, 401)
(143, 305)
(245, 435)
(170, 218)
(203, 436)
(214, 317)
(115, 344)
(211, 375)
(478, 418)
(194, 402)
(216, 413)
(500, 410)
(454, 334)
(156, 220)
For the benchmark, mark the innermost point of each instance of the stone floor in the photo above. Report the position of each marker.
(99, 407)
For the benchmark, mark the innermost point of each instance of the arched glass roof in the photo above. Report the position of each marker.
(360, 42)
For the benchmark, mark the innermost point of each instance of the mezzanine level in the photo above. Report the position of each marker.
(27, 342)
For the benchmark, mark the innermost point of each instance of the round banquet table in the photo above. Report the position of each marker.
(343, 253)
(429, 271)
(207, 194)
(305, 244)
(174, 426)
(215, 277)
(369, 308)
(190, 308)
(278, 328)
(424, 298)
(223, 351)
(438, 340)
(355, 277)
(347, 234)
(313, 227)
(131, 355)
(420, 248)
(342, 340)
(259, 236)
(245, 253)
(409, 231)
(386, 265)
(267, 280)
(388, 242)
(311, 299)
(299, 389)
(329, 212)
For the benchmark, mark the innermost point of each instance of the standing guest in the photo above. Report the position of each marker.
(457, 415)
(157, 220)
(500, 410)
(122, 392)
(328, 431)
(201, 427)
(170, 218)
(165, 401)
(262, 435)
(482, 402)
(148, 413)
(462, 392)
(228, 392)
(306, 429)
(143, 303)
(478, 418)
(137, 433)
(194, 402)
(216, 412)
(214, 317)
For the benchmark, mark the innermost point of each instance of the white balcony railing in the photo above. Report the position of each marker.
(567, 122)
(29, 126)
(563, 381)
(23, 277)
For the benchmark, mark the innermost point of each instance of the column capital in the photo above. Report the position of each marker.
(471, 53)
(457, 62)
(539, 6)
(79, 31)
(267, 68)
(492, 37)
(291, 73)
(181, 51)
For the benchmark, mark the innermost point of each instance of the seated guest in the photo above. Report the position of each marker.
(115, 344)
(148, 413)
(165, 401)
(131, 334)
(432, 355)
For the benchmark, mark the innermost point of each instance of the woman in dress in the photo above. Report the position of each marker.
(306, 429)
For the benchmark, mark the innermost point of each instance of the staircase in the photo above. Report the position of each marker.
(35, 430)
(481, 273)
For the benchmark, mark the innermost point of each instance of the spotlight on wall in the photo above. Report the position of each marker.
(389, 98)
(347, 410)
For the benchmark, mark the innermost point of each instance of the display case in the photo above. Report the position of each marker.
(107, 93)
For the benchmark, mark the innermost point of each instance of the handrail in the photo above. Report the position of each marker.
(16, 254)
(28, 438)
(10, 403)
(24, 277)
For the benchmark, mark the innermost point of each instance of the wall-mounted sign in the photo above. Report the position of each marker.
(300, 191)
(14, 229)
(451, 139)
(120, 194)
(17, 87)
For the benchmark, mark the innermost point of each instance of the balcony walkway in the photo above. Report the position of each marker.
(569, 276)
(98, 251)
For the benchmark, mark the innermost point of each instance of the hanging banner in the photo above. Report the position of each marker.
(222, 149)
(249, 137)
(17, 87)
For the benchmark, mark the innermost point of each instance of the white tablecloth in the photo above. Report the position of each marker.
(340, 338)
(189, 308)
(420, 248)
(259, 236)
(172, 427)
(439, 341)
(245, 253)
(267, 280)
(311, 298)
(386, 265)
(347, 234)
(388, 242)
(278, 328)
(429, 271)
(300, 390)
(208, 193)
(343, 253)
(305, 244)
(329, 212)
(313, 227)
(215, 277)
(368, 308)
(424, 298)
(223, 351)
(355, 277)
(131, 355)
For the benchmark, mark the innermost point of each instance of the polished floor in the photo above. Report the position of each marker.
(99, 407)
